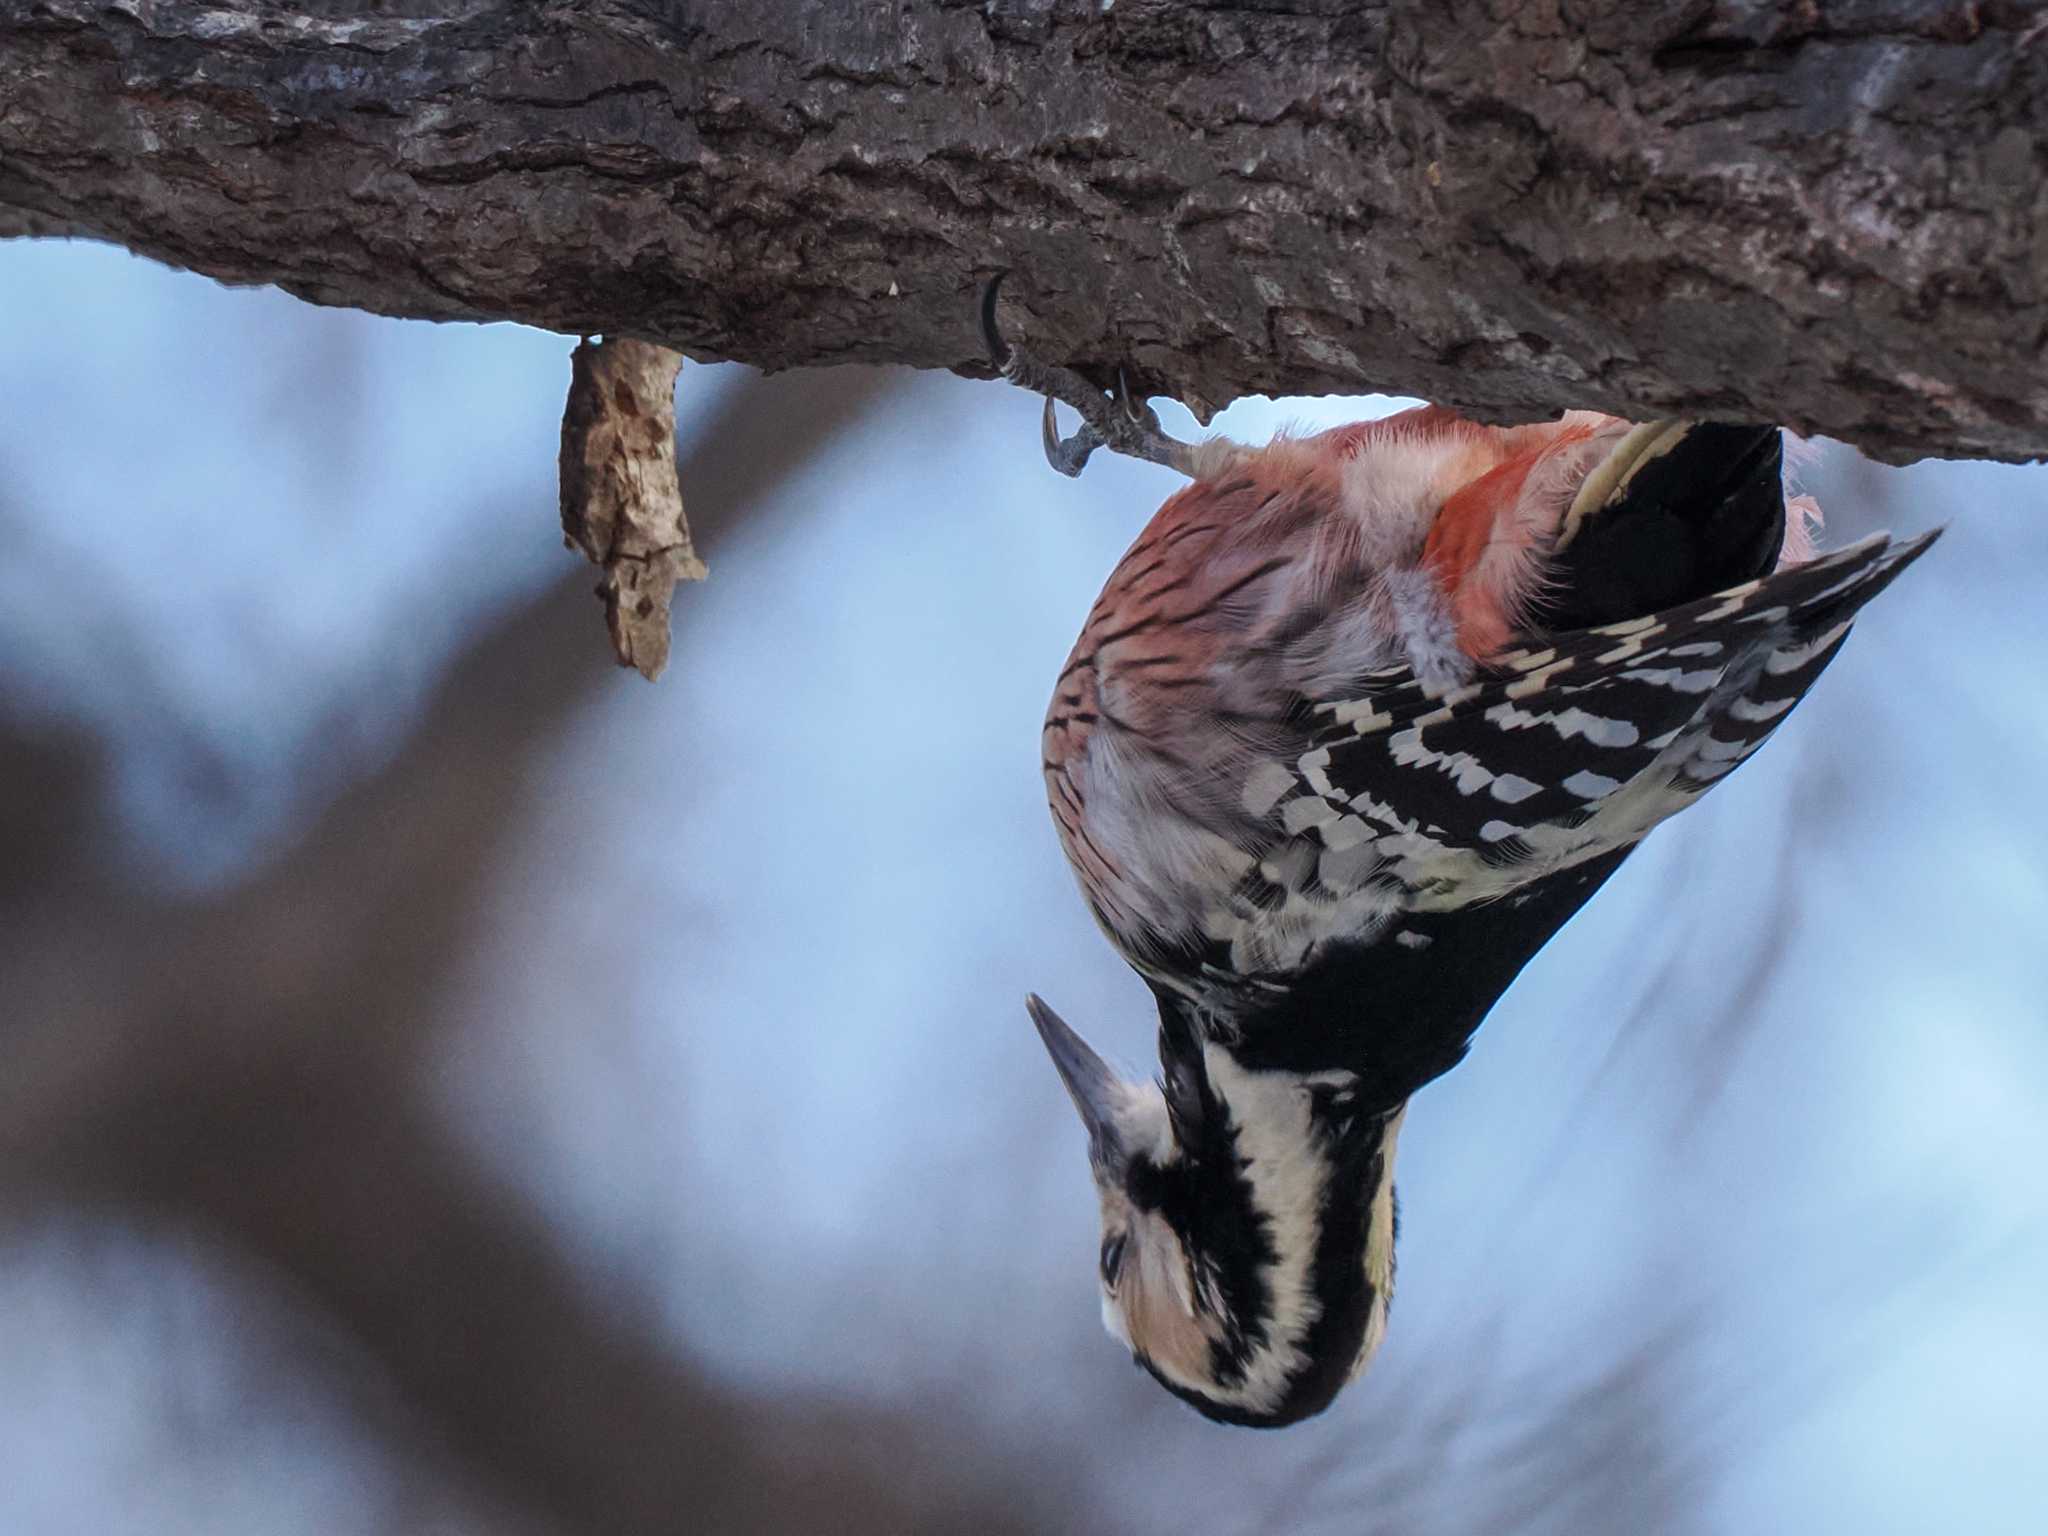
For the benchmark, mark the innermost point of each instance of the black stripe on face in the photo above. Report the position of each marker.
(1208, 1198)
(1346, 1297)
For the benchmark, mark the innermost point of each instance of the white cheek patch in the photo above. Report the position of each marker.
(1113, 1321)
(1152, 1312)
(1152, 1264)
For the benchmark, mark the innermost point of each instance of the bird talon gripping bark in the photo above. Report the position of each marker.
(1114, 420)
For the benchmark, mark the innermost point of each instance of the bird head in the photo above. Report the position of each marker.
(1247, 1230)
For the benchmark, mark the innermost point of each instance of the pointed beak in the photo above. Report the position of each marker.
(1090, 1084)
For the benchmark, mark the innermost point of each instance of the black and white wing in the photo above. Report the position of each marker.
(1422, 849)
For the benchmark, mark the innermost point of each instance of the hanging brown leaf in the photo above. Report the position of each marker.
(622, 504)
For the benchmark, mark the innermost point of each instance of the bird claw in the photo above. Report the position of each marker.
(1066, 454)
(1114, 420)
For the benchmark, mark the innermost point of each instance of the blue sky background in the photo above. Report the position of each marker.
(1751, 1159)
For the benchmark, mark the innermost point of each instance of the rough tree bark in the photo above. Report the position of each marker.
(1827, 212)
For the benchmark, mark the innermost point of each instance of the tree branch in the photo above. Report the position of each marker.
(1834, 215)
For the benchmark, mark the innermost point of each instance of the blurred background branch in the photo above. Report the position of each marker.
(242, 1068)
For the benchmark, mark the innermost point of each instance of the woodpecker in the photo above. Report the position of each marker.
(1358, 722)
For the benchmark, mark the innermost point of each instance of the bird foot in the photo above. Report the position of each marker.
(1109, 419)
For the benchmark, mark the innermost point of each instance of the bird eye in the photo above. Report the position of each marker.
(1113, 1257)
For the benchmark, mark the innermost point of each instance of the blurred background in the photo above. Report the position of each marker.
(449, 1085)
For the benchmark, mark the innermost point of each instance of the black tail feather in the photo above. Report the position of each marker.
(1701, 513)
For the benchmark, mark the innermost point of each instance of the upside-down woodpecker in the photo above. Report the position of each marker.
(1358, 722)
